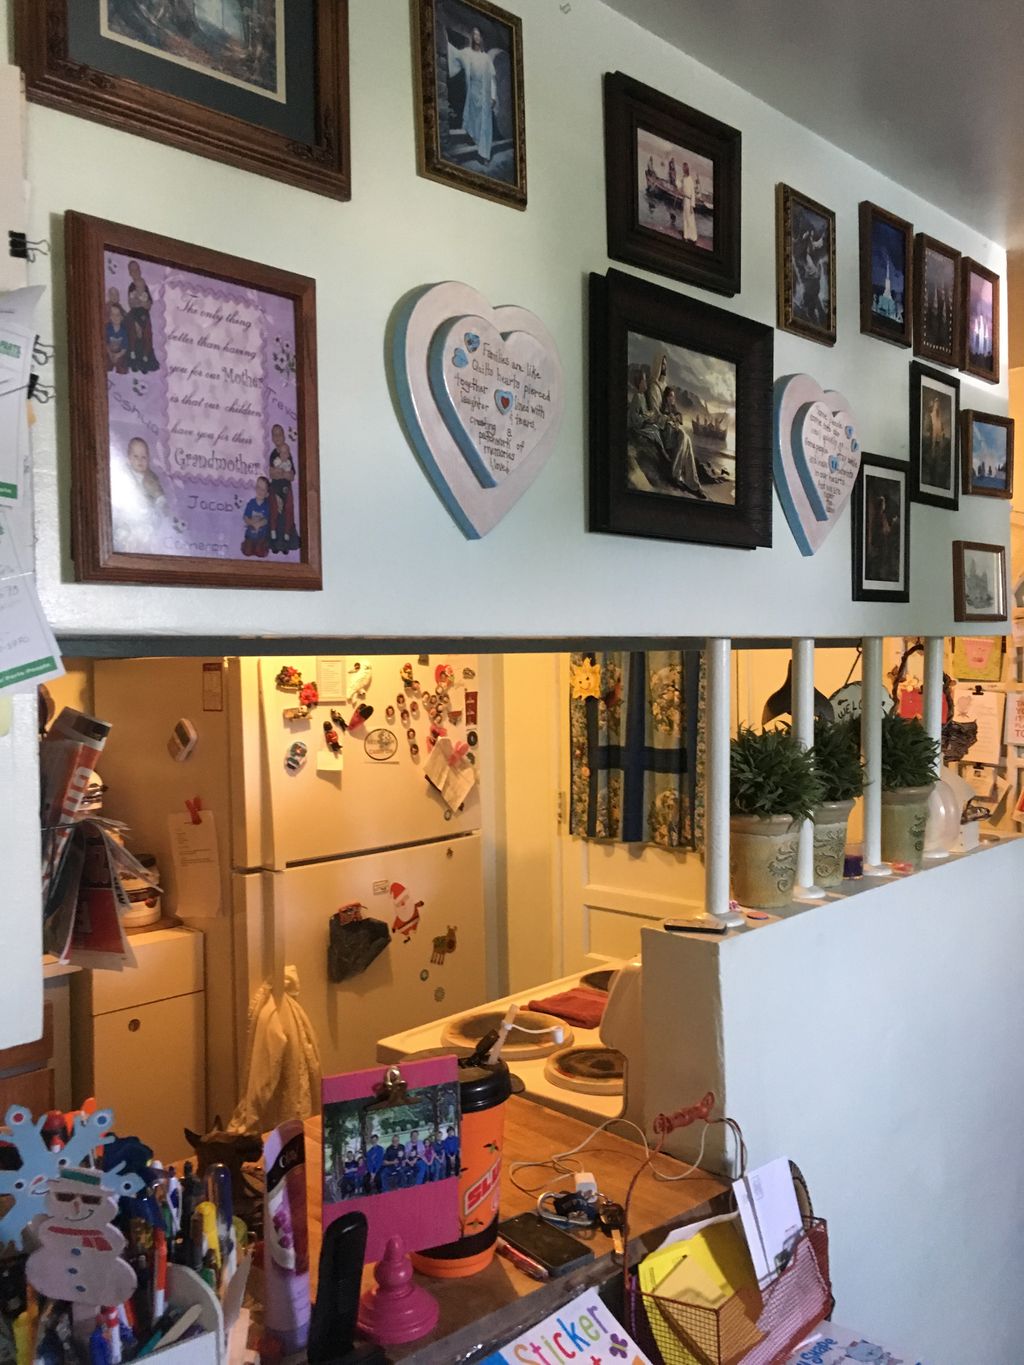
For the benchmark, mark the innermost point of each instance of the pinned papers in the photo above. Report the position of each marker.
(196, 859)
(453, 777)
(985, 707)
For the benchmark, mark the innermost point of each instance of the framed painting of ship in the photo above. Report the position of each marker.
(986, 445)
(680, 417)
(672, 185)
(979, 581)
(936, 301)
(805, 266)
(254, 83)
(886, 275)
(979, 321)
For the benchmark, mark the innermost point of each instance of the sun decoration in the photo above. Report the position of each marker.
(585, 680)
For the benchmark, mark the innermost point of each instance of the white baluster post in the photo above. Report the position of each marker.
(718, 732)
(871, 744)
(803, 731)
(934, 646)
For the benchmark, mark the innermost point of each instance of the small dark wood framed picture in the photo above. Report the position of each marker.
(881, 531)
(936, 301)
(986, 451)
(979, 581)
(672, 184)
(934, 437)
(194, 444)
(979, 321)
(241, 81)
(469, 92)
(805, 266)
(680, 417)
(886, 275)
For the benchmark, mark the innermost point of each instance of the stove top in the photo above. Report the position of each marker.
(464, 1032)
(599, 980)
(588, 1070)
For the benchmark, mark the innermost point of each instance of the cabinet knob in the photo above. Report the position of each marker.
(134, 1025)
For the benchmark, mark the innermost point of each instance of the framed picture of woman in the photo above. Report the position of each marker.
(805, 267)
(881, 531)
(934, 437)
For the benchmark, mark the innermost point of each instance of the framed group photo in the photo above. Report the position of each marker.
(193, 381)
(979, 581)
(936, 301)
(805, 267)
(469, 91)
(672, 185)
(979, 314)
(986, 443)
(680, 417)
(886, 275)
(934, 437)
(881, 531)
(254, 83)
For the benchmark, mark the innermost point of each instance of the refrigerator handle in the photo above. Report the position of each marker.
(273, 916)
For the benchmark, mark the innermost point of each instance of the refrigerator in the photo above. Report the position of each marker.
(296, 840)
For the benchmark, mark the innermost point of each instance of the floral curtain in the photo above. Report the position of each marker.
(635, 734)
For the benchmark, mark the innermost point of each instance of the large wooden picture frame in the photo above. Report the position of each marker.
(276, 103)
(194, 444)
(805, 266)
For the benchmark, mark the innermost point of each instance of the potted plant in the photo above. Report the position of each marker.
(838, 764)
(773, 786)
(909, 771)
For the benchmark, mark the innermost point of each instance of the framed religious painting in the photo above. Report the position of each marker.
(986, 450)
(680, 417)
(469, 93)
(881, 531)
(936, 301)
(934, 437)
(979, 321)
(979, 581)
(672, 186)
(886, 275)
(805, 266)
(259, 84)
(193, 388)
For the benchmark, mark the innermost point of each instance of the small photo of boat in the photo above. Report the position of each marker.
(675, 191)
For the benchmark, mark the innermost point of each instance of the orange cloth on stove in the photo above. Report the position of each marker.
(582, 1006)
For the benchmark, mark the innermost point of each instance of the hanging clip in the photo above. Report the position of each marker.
(391, 1092)
(42, 353)
(194, 807)
(22, 249)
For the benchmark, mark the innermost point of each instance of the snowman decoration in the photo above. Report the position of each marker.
(78, 1258)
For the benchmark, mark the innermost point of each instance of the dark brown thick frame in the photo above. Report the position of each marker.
(960, 612)
(992, 419)
(950, 381)
(428, 142)
(621, 303)
(967, 269)
(897, 333)
(85, 241)
(922, 348)
(858, 527)
(52, 78)
(785, 198)
(630, 106)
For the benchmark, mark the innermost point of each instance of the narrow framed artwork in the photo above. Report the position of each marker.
(672, 186)
(680, 417)
(805, 266)
(469, 92)
(979, 321)
(979, 581)
(986, 444)
(936, 301)
(193, 383)
(881, 531)
(934, 437)
(254, 83)
(886, 275)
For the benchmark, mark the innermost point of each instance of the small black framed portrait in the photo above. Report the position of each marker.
(986, 444)
(979, 581)
(936, 301)
(680, 417)
(979, 321)
(886, 275)
(672, 181)
(881, 531)
(934, 437)
(805, 267)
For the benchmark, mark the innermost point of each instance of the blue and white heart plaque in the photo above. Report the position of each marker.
(816, 457)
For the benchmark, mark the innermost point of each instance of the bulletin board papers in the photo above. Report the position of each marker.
(453, 778)
(985, 707)
(196, 858)
(28, 650)
(1014, 731)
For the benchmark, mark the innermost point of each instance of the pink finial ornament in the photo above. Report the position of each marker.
(397, 1310)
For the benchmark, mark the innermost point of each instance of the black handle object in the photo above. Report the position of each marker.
(332, 1328)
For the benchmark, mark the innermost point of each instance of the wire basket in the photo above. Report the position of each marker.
(755, 1327)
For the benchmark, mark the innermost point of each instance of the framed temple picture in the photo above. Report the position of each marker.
(256, 83)
(881, 531)
(979, 581)
(469, 92)
(886, 275)
(193, 384)
(934, 437)
(680, 417)
(986, 446)
(672, 186)
(979, 321)
(936, 301)
(805, 266)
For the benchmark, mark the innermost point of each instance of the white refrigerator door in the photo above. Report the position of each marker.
(372, 798)
(418, 976)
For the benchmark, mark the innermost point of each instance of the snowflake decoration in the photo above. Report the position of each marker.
(28, 1184)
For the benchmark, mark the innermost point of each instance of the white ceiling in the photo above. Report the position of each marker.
(930, 92)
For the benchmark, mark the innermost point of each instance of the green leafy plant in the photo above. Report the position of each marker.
(910, 756)
(837, 760)
(772, 774)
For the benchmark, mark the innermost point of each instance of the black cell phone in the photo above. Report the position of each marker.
(557, 1251)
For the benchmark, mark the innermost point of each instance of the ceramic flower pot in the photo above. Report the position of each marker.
(762, 859)
(904, 819)
(830, 821)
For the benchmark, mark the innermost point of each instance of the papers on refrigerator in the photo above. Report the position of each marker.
(985, 707)
(453, 780)
(196, 858)
(766, 1199)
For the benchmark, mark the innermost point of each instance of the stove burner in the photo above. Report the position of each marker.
(463, 1034)
(599, 980)
(589, 1070)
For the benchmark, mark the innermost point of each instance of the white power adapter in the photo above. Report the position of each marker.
(586, 1185)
